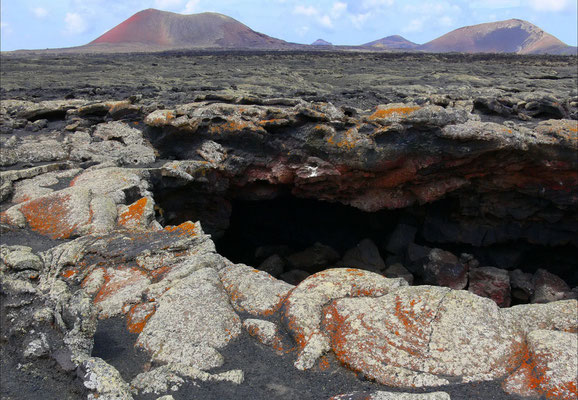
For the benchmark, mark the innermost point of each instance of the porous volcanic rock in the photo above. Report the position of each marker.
(302, 310)
(115, 200)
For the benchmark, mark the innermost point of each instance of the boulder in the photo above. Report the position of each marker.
(363, 256)
(548, 287)
(400, 238)
(302, 310)
(253, 291)
(273, 265)
(522, 286)
(442, 268)
(314, 257)
(491, 282)
(422, 336)
(193, 319)
(398, 271)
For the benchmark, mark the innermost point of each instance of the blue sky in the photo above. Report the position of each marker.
(38, 24)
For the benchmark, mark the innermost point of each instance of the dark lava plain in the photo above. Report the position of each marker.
(356, 79)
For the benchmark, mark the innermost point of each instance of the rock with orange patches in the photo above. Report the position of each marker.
(122, 287)
(420, 336)
(138, 315)
(192, 320)
(390, 113)
(564, 131)
(266, 332)
(59, 215)
(253, 291)
(559, 315)
(137, 215)
(303, 308)
(549, 369)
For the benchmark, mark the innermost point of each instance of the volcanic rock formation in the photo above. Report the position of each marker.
(510, 36)
(321, 42)
(154, 28)
(392, 42)
(425, 244)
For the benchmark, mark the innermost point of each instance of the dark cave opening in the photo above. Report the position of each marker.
(279, 234)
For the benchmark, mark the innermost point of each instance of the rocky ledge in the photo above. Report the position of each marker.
(111, 211)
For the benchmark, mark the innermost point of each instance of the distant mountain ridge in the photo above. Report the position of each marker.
(321, 42)
(392, 42)
(155, 30)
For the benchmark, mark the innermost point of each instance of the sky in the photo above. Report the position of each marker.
(40, 24)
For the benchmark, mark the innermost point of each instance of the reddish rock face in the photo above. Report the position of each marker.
(168, 30)
(490, 282)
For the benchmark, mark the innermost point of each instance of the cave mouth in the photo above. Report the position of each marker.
(278, 235)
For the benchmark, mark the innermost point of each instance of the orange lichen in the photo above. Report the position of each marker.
(324, 364)
(133, 215)
(49, 216)
(112, 286)
(185, 229)
(230, 127)
(138, 316)
(69, 273)
(396, 111)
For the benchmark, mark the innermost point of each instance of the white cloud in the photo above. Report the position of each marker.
(6, 28)
(495, 4)
(358, 20)
(40, 12)
(549, 5)
(338, 9)
(446, 21)
(302, 30)
(325, 21)
(369, 4)
(191, 6)
(307, 11)
(415, 25)
(75, 24)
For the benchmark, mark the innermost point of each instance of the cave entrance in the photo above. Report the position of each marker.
(292, 238)
(286, 226)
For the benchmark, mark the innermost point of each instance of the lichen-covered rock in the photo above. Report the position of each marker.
(87, 206)
(192, 318)
(253, 291)
(103, 380)
(115, 142)
(266, 332)
(559, 316)
(172, 376)
(380, 395)
(420, 336)
(303, 308)
(549, 368)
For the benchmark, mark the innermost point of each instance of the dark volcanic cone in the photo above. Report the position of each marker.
(156, 28)
(392, 42)
(510, 36)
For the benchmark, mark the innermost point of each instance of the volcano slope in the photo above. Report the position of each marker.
(288, 225)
